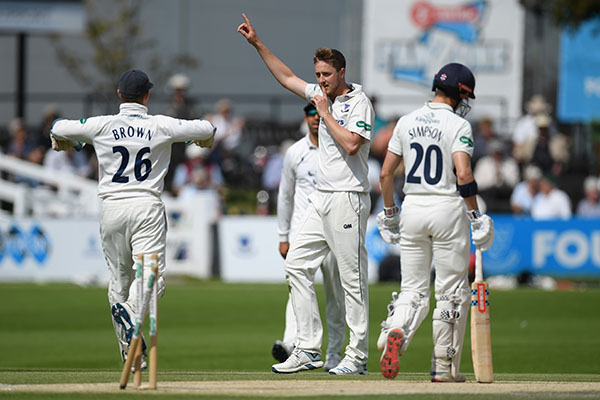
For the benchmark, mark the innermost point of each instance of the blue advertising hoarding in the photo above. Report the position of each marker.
(559, 248)
(579, 80)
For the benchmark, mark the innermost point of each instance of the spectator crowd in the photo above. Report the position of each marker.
(525, 172)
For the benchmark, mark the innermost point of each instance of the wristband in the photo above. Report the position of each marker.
(473, 214)
(468, 190)
(390, 211)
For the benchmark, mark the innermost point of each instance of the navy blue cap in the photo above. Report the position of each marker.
(134, 83)
(310, 109)
(455, 78)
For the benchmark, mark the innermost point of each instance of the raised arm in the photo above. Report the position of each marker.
(280, 71)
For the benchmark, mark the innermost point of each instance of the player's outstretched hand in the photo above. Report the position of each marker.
(247, 31)
(389, 227)
(61, 144)
(482, 230)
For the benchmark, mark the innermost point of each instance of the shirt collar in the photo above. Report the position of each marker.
(355, 89)
(132, 108)
(310, 144)
(439, 106)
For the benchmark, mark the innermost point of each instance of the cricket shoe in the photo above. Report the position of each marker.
(332, 361)
(390, 363)
(144, 364)
(347, 367)
(125, 318)
(299, 360)
(447, 377)
(281, 351)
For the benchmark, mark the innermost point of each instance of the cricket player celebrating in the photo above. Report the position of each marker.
(298, 180)
(336, 218)
(133, 150)
(433, 141)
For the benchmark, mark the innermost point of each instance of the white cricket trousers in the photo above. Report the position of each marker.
(335, 314)
(129, 228)
(434, 228)
(334, 222)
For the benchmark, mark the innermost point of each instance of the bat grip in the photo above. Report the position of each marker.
(478, 265)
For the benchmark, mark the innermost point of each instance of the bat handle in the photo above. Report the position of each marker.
(478, 265)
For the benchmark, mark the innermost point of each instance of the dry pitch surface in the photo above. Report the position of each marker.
(326, 387)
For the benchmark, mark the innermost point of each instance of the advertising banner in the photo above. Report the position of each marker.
(559, 248)
(249, 250)
(52, 250)
(405, 43)
(579, 82)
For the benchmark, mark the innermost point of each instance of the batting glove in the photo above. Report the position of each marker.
(64, 144)
(206, 142)
(388, 222)
(482, 229)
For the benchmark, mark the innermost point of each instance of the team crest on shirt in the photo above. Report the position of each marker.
(363, 124)
(466, 141)
(346, 108)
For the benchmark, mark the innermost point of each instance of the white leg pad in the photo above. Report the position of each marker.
(409, 311)
(449, 324)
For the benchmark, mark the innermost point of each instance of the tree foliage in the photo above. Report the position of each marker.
(572, 13)
(117, 43)
(569, 14)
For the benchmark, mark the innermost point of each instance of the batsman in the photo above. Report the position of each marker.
(435, 143)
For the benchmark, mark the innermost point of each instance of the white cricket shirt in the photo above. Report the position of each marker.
(133, 148)
(298, 181)
(337, 170)
(427, 138)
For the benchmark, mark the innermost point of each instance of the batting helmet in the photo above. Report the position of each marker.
(456, 80)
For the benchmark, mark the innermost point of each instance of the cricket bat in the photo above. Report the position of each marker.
(481, 341)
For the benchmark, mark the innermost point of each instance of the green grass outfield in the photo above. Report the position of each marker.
(211, 331)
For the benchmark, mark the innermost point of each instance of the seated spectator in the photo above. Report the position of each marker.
(379, 144)
(69, 161)
(196, 173)
(271, 172)
(19, 145)
(525, 133)
(378, 121)
(181, 106)
(541, 153)
(550, 202)
(522, 197)
(589, 206)
(229, 128)
(482, 137)
(41, 137)
(496, 176)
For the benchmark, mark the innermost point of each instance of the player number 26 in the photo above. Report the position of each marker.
(427, 155)
(141, 164)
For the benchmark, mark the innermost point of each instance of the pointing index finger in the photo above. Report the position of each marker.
(246, 19)
(324, 93)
